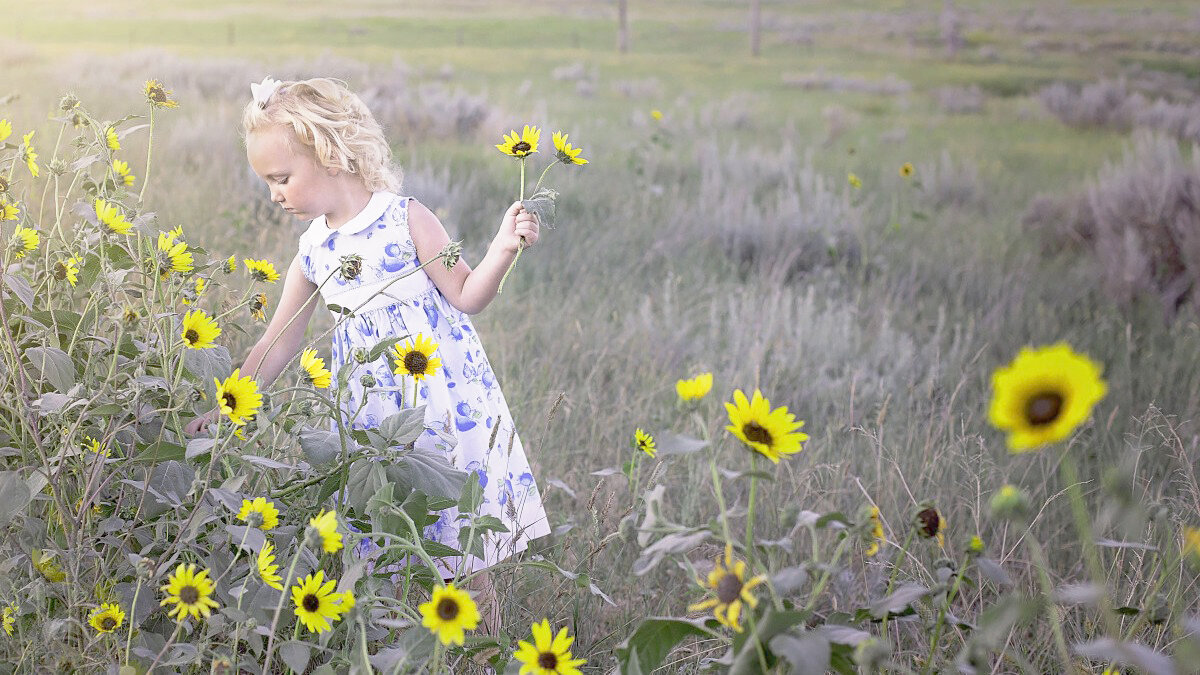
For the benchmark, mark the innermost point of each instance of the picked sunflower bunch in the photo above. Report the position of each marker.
(541, 201)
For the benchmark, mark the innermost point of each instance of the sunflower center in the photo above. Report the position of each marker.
(548, 660)
(522, 146)
(230, 400)
(757, 433)
(1044, 408)
(415, 362)
(108, 623)
(447, 609)
(188, 595)
(930, 520)
(729, 588)
(311, 602)
(191, 336)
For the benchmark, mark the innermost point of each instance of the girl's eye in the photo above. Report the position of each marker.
(282, 181)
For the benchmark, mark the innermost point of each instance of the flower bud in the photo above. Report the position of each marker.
(367, 380)
(351, 266)
(361, 354)
(975, 545)
(1010, 503)
(452, 253)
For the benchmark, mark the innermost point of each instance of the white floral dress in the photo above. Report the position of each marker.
(463, 399)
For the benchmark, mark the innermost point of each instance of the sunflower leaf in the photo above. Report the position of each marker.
(678, 444)
(809, 652)
(14, 495)
(541, 204)
(19, 287)
(295, 654)
(900, 599)
(655, 637)
(677, 542)
(54, 366)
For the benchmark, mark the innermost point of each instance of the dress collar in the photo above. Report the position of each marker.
(375, 208)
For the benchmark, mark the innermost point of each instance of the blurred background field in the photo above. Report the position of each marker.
(1055, 196)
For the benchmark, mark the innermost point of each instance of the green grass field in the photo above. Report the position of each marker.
(727, 238)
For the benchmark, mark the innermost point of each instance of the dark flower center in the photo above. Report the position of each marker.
(548, 660)
(729, 588)
(930, 520)
(447, 609)
(230, 400)
(60, 271)
(757, 433)
(522, 146)
(108, 623)
(191, 336)
(157, 95)
(188, 595)
(415, 362)
(1044, 408)
(311, 602)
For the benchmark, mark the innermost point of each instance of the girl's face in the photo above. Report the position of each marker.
(297, 182)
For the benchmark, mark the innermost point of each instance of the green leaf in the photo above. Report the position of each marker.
(809, 652)
(54, 366)
(366, 478)
(582, 580)
(14, 495)
(678, 542)
(295, 654)
(384, 345)
(428, 471)
(159, 452)
(338, 309)
(900, 599)
(834, 517)
(472, 494)
(322, 446)
(401, 428)
(17, 286)
(772, 623)
(678, 444)
(655, 637)
(208, 364)
(542, 205)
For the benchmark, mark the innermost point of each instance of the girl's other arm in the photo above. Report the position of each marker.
(470, 290)
(266, 360)
(261, 364)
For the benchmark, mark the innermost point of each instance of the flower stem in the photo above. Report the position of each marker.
(750, 507)
(1039, 561)
(149, 146)
(937, 629)
(895, 570)
(132, 613)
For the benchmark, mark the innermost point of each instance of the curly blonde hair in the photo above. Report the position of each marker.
(335, 124)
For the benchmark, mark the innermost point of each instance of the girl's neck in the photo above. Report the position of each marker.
(351, 197)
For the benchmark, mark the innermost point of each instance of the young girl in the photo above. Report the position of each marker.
(323, 157)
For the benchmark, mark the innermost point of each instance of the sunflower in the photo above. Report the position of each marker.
(695, 388)
(28, 155)
(657, 115)
(855, 181)
(549, 654)
(416, 358)
(906, 169)
(564, 152)
(449, 613)
(46, 566)
(259, 513)
(261, 270)
(197, 290)
(24, 240)
(157, 95)
(930, 523)
(107, 617)
(771, 433)
(1191, 545)
(5, 129)
(874, 532)
(121, 169)
(325, 525)
(175, 256)
(238, 397)
(258, 307)
(267, 568)
(317, 603)
(199, 330)
(1044, 395)
(111, 139)
(314, 369)
(10, 618)
(644, 442)
(230, 265)
(189, 592)
(111, 216)
(8, 211)
(523, 145)
(93, 445)
(730, 589)
(67, 270)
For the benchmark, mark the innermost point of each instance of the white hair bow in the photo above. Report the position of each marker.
(263, 91)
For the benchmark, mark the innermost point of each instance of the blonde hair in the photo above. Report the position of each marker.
(335, 124)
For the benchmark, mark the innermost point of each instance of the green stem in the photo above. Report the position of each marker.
(1087, 540)
(826, 575)
(539, 180)
(750, 512)
(149, 146)
(937, 629)
(279, 605)
(132, 613)
(896, 570)
(1039, 561)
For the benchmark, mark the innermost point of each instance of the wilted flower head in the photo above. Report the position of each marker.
(451, 254)
(68, 103)
(350, 267)
(158, 96)
(929, 522)
(258, 306)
